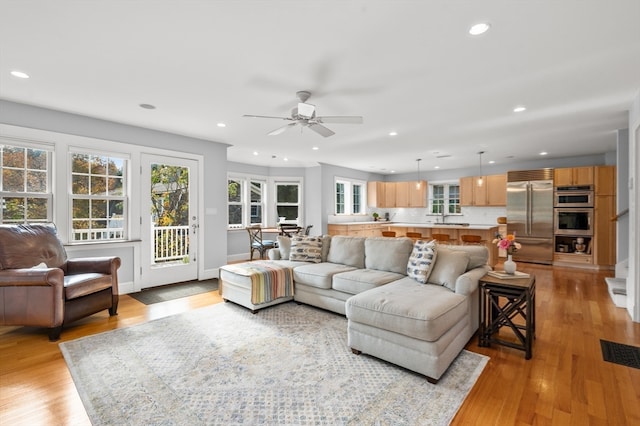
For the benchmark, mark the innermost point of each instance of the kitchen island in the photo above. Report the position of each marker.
(371, 229)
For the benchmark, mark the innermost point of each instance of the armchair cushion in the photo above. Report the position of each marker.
(25, 246)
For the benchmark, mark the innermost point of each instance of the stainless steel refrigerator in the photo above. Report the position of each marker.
(530, 214)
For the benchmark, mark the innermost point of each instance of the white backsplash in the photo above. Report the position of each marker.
(472, 215)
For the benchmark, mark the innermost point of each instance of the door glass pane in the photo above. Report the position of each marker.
(170, 213)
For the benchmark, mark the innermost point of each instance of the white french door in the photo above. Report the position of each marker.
(169, 220)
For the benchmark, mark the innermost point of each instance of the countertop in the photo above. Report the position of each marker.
(421, 225)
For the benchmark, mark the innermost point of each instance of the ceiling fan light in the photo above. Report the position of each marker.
(306, 110)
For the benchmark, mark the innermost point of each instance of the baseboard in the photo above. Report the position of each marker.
(617, 290)
(126, 288)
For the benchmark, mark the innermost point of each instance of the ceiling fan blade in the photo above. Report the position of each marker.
(341, 119)
(267, 116)
(281, 129)
(321, 130)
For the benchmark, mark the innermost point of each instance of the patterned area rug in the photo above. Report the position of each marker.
(288, 365)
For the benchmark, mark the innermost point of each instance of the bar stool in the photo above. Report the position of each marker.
(468, 239)
(388, 233)
(441, 238)
(414, 235)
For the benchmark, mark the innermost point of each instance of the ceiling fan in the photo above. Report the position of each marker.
(304, 115)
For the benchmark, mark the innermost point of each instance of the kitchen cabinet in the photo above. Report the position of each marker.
(396, 194)
(571, 176)
(493, 191)
(604, 253)
(357, 229)
(605, 180)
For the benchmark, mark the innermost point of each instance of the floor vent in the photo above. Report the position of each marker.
(619, 353)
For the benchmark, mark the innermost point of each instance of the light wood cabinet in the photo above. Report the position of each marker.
(604, 253)
(396, 194)
(605, 180)
(573, 176)
(493, 191)
(356, 230)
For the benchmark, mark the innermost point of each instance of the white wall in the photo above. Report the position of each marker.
(633, 280)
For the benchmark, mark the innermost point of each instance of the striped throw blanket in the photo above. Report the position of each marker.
(268, 281)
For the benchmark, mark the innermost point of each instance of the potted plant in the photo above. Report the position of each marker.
(375, 216)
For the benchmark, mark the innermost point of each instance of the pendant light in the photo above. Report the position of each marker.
(480, 178)
(418, 183)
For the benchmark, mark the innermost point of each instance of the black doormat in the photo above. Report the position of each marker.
(164, 293)
(618, 353)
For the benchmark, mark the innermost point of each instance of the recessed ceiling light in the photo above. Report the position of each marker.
(19, 74)
(393, 133)
(436, 167)
(519, 108)
(255, 152)
(285, 159)
(393, 171)
(479, 28)
(315, 148)
(544, 153)
(147, 106)
(492, 162)
(222, 125)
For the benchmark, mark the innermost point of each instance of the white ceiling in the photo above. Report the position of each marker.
(406, 66)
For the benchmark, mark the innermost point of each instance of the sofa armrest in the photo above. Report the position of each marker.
(467, 283)
(102, 265)
(273, 254)
(31, 277)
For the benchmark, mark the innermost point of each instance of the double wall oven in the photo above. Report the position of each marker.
(573, 210)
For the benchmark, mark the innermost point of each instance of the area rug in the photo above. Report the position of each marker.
(287, 365)
(165, 293)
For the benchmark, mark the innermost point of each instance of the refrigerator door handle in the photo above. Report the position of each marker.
(528, 209)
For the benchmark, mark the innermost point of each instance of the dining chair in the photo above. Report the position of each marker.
(469, 239)
(307, 229)
(289, 229)
(388, 233)
(256, 242)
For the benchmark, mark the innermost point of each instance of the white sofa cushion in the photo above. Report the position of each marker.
(359, 280)
(306, 249)
(478, 255)
(318, 275)
(420, 264)
(347, 250)
(421, 311)
(450, 264)
(387, 254)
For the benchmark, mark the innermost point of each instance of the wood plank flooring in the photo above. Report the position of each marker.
(566, 381)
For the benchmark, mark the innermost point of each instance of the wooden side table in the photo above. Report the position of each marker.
(501, 302)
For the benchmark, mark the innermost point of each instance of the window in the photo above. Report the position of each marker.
(288, 201)
(349, 196)
(444, 198)
(246, 202)
(25, 185)
(98, 197)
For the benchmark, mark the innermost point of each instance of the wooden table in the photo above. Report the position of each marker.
(502, 301)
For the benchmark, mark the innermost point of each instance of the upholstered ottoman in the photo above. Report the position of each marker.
(256, 285)
(421, 327)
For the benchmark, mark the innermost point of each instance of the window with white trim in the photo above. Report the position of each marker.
(98, 197)
(246, 202)
(350, 196)
(25, 184)
(288, 202)
(444, 196)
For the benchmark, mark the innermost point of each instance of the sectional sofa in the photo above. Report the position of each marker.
(412, 304)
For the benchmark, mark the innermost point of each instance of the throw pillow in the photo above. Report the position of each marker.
(284, 245)
(421, 261)
(450, 265)
(306, 249)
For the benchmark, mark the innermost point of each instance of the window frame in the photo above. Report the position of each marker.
(298, 204)
(46, 195)
(349, 202)
(446, 199)
(122, 231)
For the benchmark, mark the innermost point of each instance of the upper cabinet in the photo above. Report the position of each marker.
(492, 192)
(396, 194)
(573, 176)
(605, 180)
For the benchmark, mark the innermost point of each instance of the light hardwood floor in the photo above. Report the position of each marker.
(566, 381)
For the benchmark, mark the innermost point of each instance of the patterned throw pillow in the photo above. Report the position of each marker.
(421, 261)
(306, 249)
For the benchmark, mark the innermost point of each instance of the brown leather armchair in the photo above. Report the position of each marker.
(56, 293)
